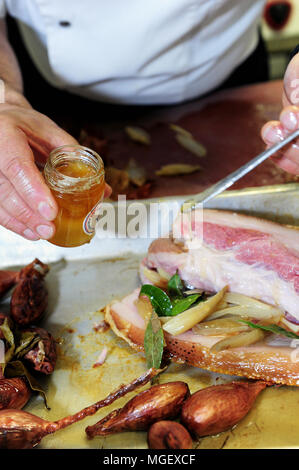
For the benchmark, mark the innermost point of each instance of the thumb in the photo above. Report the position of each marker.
(291, 83)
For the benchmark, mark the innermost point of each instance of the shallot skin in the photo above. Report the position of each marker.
(218, 408)
(157, 403)
(14, 393)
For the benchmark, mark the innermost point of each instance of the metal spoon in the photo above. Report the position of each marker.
(229, 180)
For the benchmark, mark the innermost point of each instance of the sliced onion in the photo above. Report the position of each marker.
(186, 320)
(144, 307)
(193, 291)
(223, 326)
(291, 319)
(154, 277)
(222, 304)
(136, 172)
(165, 319)
(291, 326)
(173, 169)
(163, 274)
(180, 130)
(192, 145)
(240, 311)
(138, 134)
(270, 316)
(244, 300)
(102, 358)
(243, 339)
(248, 307)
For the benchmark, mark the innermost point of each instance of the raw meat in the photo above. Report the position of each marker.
(252, 256)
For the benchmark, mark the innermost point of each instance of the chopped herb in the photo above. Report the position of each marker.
(278, 330)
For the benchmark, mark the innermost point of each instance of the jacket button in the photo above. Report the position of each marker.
(64, 23)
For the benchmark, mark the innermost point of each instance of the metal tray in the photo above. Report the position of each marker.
(83, 280)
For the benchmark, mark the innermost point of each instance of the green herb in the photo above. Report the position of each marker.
(154, 342)
(9, 337)
(183, 304)
(25, 341)
(159, 299)
(17, 369)
(278, 330)
(175, 286)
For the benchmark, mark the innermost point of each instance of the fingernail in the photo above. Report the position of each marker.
(45, 231)
(289, 120)
(30, 235)
(46, 211)
(273, 134)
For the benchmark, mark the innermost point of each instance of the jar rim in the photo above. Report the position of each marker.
(86, 152)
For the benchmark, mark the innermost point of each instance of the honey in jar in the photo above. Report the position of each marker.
(75, 175)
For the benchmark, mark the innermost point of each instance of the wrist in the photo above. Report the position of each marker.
(10, 95)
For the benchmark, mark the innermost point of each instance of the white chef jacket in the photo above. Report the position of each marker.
(137, 51)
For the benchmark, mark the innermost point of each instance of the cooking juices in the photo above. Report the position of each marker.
(75, 175)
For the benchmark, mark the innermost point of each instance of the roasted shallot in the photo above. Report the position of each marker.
(7, 280)
(219, 407)
(14, 393)
(157, 403)
(30, 297)
(168, 435)
(22, 430)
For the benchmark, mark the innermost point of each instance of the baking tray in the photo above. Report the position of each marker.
(83, 280)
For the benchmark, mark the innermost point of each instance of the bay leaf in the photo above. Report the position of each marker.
(159, 299)
(154, 342)
(25, 341)
(175, 286)
(183, 304)
(9, 338)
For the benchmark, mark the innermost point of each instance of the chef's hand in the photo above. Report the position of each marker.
(274, 131)
(27, 206)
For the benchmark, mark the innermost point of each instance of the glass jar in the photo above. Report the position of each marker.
(75, 175)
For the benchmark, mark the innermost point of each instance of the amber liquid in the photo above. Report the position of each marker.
(75, 206)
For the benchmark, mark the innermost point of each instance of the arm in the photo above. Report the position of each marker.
(10, 71)
(26, 204)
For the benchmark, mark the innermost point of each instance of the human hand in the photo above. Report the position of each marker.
(27, 206)
(274, 131)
